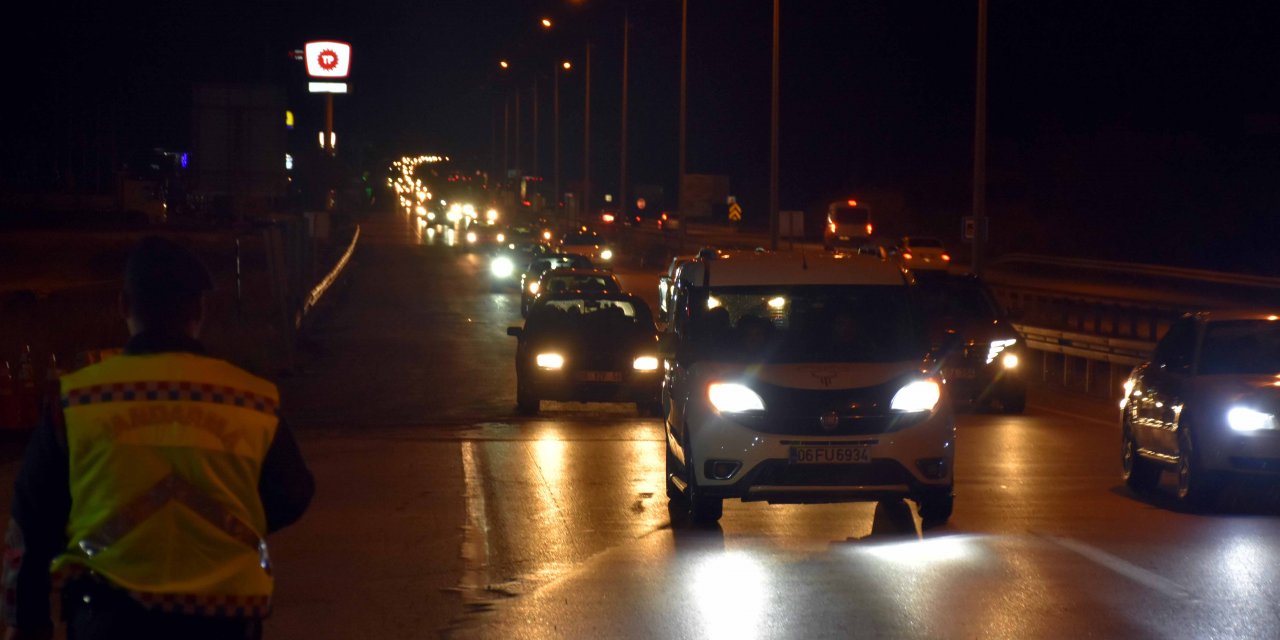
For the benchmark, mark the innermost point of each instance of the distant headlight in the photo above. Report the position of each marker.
(730, 397)
(546, 235)
(491, 215)
(471, 237)
(533, 287)
(606, 254)
(645, 363)
(502, 267)
(549, 361)
(502, 237)
(1009, 361)
(1246, 419)
(921, 395)
(996, 347)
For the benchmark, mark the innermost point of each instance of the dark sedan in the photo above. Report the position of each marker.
(587, 347)
(1205, 406)
(981, 351)
(541, 265)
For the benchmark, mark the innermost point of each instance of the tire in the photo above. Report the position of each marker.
(1014, 404)
(935, 507)
(1137, 472)
(1197, 487)
(698, 508)
(526, 403)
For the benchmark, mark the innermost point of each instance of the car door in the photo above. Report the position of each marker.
(1162, 386)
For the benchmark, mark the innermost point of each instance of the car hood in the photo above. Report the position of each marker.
(823, 375)
(1259, 391)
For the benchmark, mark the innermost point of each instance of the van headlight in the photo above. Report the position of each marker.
(1246, 419)
(731, 397)
(921, 395)
(997, 346)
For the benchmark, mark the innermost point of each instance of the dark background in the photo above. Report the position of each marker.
(1131, 130)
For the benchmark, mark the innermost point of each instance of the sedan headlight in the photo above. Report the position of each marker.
(645, 363)
(502, 267)
(997, 346)
(471, 237)
(549, 361)
(533, 287)
(1009, 361)
(921, 395)
(606, 254)
(1246, 419)
(731, 397)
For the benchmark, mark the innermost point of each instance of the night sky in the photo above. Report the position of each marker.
(1131, 130)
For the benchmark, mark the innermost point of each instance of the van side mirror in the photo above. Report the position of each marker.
(515, 332)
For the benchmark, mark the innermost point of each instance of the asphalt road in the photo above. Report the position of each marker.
(442, 514)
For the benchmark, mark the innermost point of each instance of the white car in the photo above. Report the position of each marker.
(590, 244)
(924, 253)
(802, 378)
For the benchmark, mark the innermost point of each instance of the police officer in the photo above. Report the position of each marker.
(149, 493)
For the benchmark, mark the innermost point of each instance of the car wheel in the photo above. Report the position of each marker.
(526, 403)
(1138, 473)
(699, 509)
(1014, 404)
(935, 506)
(1197, 487)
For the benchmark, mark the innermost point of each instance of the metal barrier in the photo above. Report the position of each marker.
(321, 287)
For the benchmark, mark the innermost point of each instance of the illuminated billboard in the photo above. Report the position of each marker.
(328, 59)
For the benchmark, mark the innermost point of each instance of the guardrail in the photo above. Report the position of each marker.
(1080, 359)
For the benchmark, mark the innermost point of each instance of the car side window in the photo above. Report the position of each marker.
(1176, 349)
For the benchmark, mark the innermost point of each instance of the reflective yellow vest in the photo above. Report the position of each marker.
(165, 452)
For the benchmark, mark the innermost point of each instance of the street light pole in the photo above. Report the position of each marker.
(535, 128)
(773, 138)
(555, 118)
(684, 56)
(980, 145)
(586, 142)
(626, 40)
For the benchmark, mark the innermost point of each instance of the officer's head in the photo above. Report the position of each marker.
(164, 286)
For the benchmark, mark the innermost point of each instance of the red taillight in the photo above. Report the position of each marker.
(868, 228)
(906, 256)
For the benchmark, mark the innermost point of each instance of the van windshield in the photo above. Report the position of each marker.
(811, 323)
(846, 215)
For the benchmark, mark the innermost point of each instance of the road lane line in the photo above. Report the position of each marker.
(475, 535)
(1123, 567)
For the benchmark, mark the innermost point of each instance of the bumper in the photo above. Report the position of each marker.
(569, 386)
(983, 383)
(1249, 453)
(906, 463)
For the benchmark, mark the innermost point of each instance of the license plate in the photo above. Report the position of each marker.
(843, 454)
(601, 376)
(961, 374)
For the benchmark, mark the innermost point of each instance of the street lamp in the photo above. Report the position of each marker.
(546, 23)
(555, 80)
(504, 64)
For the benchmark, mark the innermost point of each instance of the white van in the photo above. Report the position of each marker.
(802, 377)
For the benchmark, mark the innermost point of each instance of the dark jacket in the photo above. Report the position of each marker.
(42, 498)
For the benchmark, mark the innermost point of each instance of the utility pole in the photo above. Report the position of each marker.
(626, 41)
(980, 146)
(773, 138)
(586, 144)
(535, 126)
(684, 57)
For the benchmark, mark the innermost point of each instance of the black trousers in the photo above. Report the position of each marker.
(96, 611)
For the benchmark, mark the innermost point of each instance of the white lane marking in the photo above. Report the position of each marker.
(475, 535)
(1123, 567)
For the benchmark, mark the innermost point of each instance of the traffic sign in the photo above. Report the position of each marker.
(735, 212)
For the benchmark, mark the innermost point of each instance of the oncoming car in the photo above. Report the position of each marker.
(587, 347)
(1205, 406)
(542, 264)
(802, 378)
(590, 244)
(924, 253)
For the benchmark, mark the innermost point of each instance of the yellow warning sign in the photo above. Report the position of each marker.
(735, 212)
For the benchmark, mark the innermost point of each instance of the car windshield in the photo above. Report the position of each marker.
(577, 282)
(582, 237)
(598, 315)
(811, 323)
(955, 298)
(1241, 347)
(846, 215)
